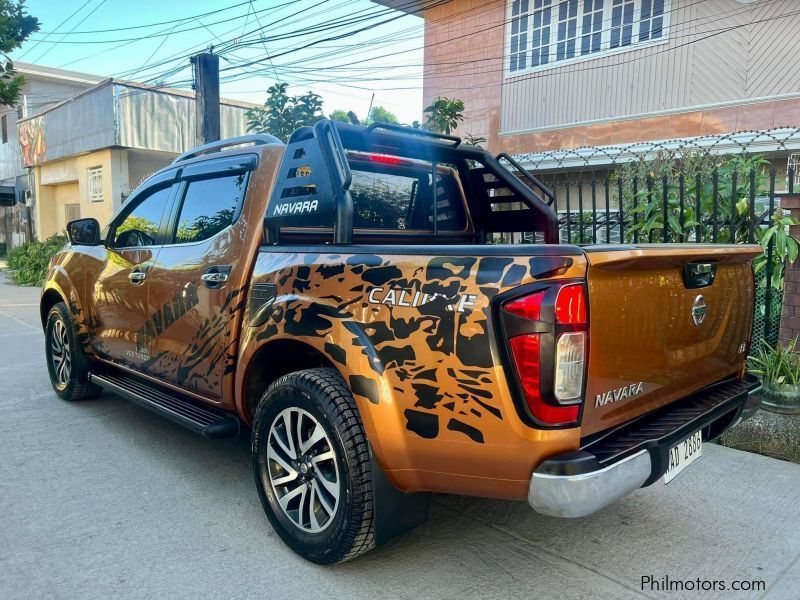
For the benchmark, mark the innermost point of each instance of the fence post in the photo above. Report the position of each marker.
(790, 313)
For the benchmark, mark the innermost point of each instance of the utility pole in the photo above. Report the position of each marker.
(206, 97)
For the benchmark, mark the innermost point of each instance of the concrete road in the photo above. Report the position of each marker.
(102, 499)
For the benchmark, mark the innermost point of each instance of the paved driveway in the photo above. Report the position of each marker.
(101, 499)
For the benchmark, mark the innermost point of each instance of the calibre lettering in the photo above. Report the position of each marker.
(407, 298)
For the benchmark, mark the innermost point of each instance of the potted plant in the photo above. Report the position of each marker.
(779, 371)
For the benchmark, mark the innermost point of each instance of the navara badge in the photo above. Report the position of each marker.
(699, 310)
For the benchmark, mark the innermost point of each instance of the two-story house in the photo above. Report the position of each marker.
(87, 153)
(44, 87)
(550, 75)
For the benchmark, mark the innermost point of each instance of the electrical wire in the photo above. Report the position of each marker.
(80, 8)
(53, 44)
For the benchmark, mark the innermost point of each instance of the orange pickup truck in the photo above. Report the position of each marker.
(339, 297)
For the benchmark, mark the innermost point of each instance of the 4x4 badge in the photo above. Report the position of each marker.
(699, 310)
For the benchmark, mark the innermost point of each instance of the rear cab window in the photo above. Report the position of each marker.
(395, 194)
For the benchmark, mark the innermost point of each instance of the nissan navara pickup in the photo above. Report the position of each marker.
(339, 297)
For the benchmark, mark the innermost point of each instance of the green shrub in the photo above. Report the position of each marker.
(29, 263)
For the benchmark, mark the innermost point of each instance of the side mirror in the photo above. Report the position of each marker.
(84, 232)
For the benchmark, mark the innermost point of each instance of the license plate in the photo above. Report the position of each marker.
(682, 455)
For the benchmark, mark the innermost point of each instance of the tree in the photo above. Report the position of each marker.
(379, 114)
(474, 140)
(444, 114)
(339, 115)
(344, 117)
(282, 114)
(16, 25)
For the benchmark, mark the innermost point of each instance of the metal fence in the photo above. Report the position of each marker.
(15, 227)
(733, 207)
(689, 192)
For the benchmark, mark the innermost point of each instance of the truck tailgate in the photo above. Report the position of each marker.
(645, 347)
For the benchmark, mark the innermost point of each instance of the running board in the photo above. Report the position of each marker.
(206, 421)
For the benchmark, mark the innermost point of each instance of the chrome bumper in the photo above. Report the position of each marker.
(577, 490)
(582, 494)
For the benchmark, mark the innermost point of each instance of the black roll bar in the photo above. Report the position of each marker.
(332, 150)
(415, 131)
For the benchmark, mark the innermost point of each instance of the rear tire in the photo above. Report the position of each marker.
(67, 363)
(311, 463)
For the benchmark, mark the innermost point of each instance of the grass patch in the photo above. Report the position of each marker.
(773, 435)
(28, 264)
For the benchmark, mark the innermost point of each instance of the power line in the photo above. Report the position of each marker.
(156, 24)
(555, 72)
(453, 65)
(339, 36)
(56, 29)
(186, 53)
(150, 36)
(91, 12)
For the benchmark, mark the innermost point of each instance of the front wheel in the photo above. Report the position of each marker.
(67, 364)
(311, 465)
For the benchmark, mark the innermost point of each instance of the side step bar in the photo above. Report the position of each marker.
(208, 422)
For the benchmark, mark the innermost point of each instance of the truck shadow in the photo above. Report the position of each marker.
(477, 538)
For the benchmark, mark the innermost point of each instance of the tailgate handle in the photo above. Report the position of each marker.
(699, 274)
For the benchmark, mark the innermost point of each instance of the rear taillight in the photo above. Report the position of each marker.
(547, 335)
(570, 352)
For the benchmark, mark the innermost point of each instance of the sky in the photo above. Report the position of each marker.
(259, 42)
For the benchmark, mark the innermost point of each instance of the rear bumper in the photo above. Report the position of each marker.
(616, 462)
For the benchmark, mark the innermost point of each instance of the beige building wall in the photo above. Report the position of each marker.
(66, 182)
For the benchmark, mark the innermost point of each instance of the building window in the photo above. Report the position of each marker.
(651, 25)
(622, 23)
(592, 26)
(519, 34)
(543, 33)
(567, 29)
(94, 178)
(540, 34)
(4, 128)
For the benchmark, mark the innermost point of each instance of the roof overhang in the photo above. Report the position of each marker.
(782, 139)
(54, 74)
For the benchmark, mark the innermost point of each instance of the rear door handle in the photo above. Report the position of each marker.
(216, 276)
(137, 276)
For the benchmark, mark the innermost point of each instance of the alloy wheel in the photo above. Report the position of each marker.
(303, 470)
(60, 353)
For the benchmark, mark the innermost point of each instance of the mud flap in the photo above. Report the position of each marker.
(395, 512)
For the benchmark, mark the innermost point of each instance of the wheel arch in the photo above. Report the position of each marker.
(50, 297)
(272, 360)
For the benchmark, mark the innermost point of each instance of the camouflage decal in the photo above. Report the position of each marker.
(166, 316)
(422, 325)
(197, 368)
(85, 325)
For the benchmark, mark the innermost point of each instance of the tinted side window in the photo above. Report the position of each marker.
(140, 227)
(209, 206)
